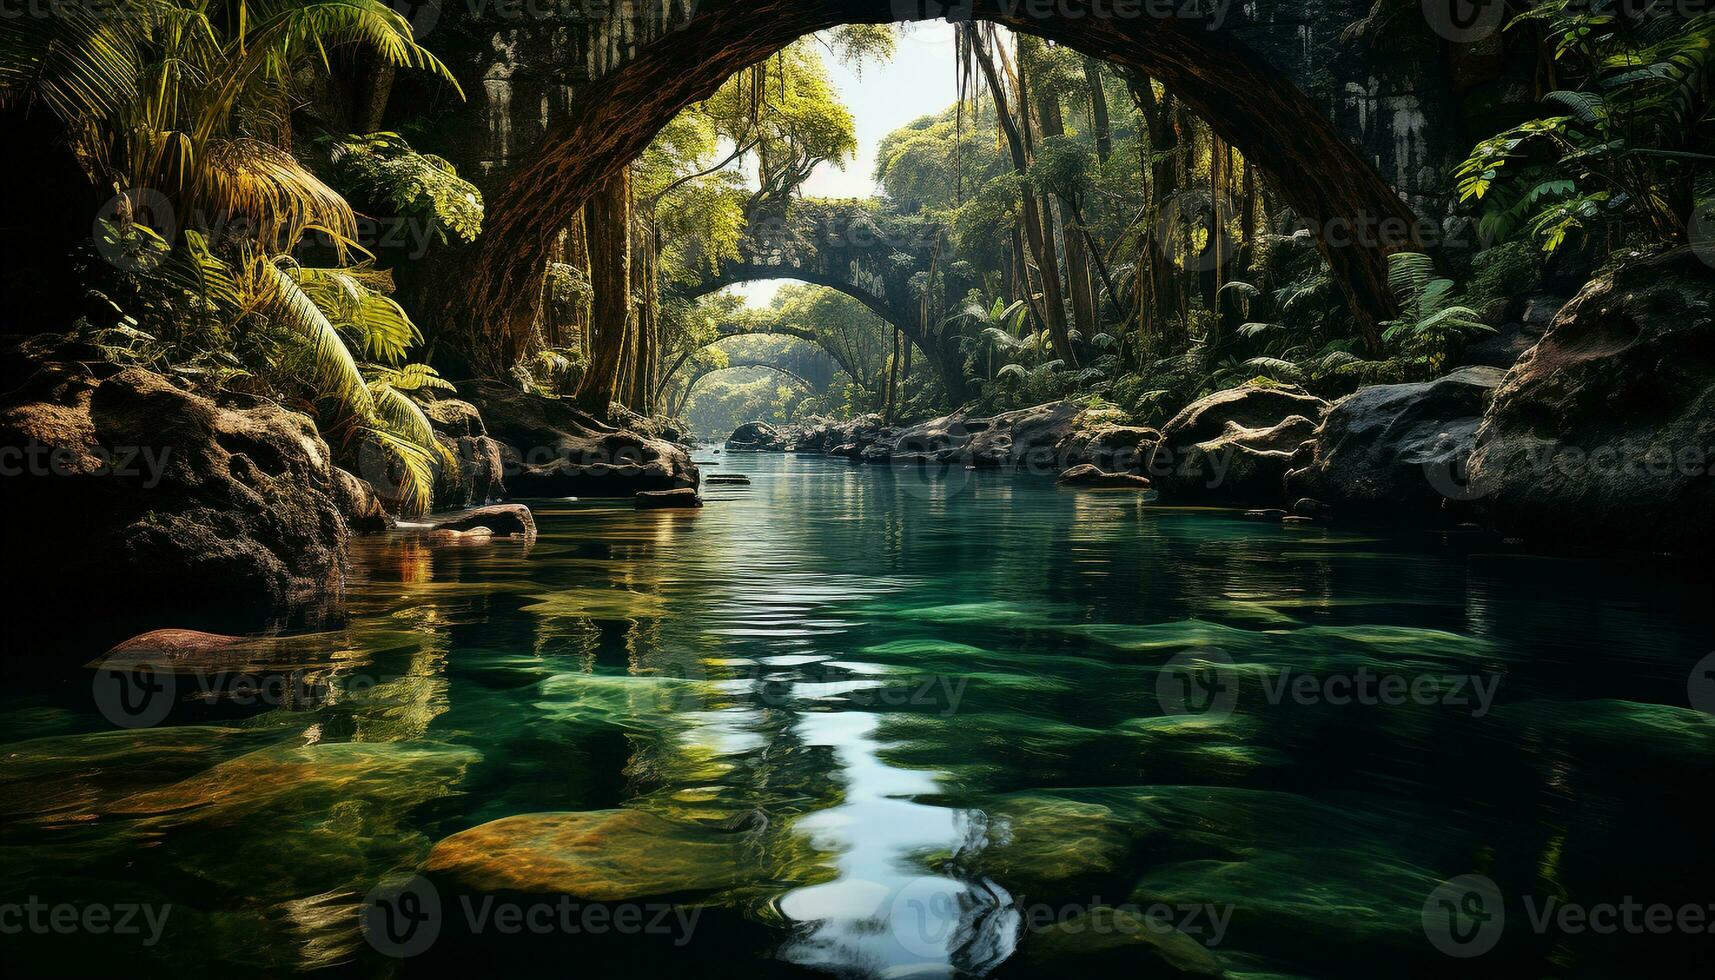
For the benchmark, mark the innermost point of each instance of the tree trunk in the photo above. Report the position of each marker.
(1078, 281)
(1053, 305)
(608, 219)
(1099, 110)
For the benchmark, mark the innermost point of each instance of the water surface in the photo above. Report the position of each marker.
(930, 724)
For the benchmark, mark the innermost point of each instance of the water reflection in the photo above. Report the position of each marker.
(903, 713)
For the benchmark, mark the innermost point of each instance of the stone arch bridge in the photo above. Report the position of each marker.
(1353, 115)
(880, 260)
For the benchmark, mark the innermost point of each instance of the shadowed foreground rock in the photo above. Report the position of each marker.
(550, 449)
(161, 502)
(363, 511)
(479, 476)
(1606, 429)
(1389, 447)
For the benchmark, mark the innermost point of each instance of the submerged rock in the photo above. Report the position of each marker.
(1088, 475)
(727, 479)
(158, 501)
(660, 499)
(1607, 426)
(1396, 446)
(595, 855)
(551, 449)
(756, 437)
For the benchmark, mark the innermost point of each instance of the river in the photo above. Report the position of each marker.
(913, 724)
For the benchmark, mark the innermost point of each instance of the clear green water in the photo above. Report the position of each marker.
(906, 715)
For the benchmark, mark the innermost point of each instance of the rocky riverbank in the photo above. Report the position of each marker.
(231, 512)
(1605, 424)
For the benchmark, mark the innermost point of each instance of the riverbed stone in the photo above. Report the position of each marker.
(594, 855)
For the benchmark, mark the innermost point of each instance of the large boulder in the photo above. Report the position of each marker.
(1233, 446)
(1389, 447)
(132, 496)
(1603, 433)
(479, 474)
(756, 437)
(551, 449)
(1111, 447)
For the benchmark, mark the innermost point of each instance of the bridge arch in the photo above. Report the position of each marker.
(728, 330)
(684, 395)
(1250, 78)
